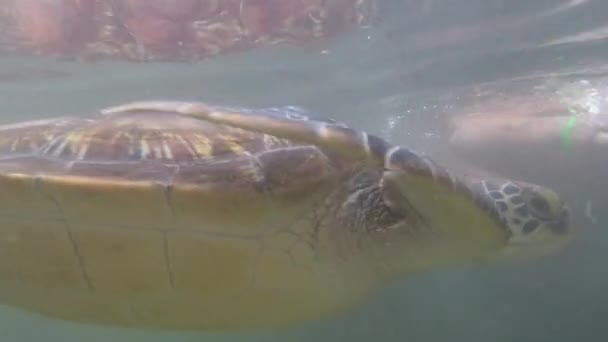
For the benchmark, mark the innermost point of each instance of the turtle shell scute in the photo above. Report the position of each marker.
(144, 136)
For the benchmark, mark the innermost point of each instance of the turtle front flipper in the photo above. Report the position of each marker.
(448, 208)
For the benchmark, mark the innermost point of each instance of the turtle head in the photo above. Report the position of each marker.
(537, 220)
(472, 218)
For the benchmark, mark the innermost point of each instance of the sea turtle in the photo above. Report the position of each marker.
(187, 215)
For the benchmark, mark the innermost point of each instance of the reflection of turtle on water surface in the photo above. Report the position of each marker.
(190, 216)
(171, 29)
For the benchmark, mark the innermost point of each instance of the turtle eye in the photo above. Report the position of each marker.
(540, 208)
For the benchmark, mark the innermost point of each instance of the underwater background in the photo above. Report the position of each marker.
(398, 78)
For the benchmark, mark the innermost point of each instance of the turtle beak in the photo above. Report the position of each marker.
(523, 251)
(553, 238)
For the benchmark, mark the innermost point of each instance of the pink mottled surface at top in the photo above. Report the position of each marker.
(144, 30)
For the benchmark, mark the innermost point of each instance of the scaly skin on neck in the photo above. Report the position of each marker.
(389, 242)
